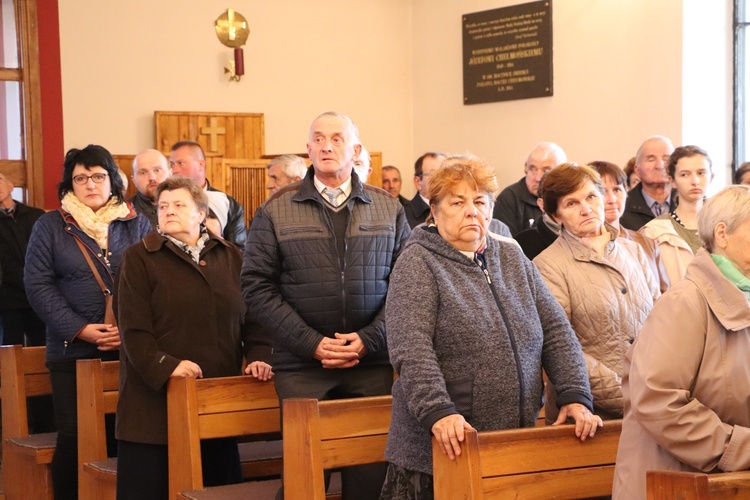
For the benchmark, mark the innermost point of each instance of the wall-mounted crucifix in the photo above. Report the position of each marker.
(214, 132)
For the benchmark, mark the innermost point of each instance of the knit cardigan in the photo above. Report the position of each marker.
(471, 347)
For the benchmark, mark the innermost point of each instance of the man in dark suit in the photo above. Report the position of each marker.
(392, 183)
(419, 207)
(653, 196)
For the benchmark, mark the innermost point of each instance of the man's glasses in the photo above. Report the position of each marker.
(84, 179)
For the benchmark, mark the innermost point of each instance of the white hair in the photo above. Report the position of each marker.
(292, 165)
(545, 150)
(731, 206)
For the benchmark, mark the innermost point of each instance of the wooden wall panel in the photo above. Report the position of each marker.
(231, 135)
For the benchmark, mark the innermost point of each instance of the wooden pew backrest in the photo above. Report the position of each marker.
(26, 459)
(322, 435)
(663, 485)
(213, 408)
(98, 388)
(535, 462)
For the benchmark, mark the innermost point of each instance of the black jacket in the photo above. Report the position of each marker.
(292, 281)
(637, 213)
(144, 206)
(535, 240)
(516, 207)
(235, 230)
(416, 211)
(15, 231)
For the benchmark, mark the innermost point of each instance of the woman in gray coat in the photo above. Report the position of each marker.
(470, 351)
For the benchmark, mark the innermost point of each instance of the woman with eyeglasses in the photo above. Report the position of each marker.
(70, 252)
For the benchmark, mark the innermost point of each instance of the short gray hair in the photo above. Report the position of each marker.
(730, 206)
(292, 165)
(351, 128)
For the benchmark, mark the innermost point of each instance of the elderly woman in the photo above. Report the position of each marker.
(676, 232)
(687, 379)
(615, 195)
(604, 283)
(471, 352)
(70, 252)
(182, 314)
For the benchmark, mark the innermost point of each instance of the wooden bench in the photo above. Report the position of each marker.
(663, 485)
(215, 408)
(98, 385)
(322, 435)
(26, 458)
(537, 462)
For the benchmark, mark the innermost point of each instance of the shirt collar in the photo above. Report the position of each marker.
(345, 186)
(650, 201)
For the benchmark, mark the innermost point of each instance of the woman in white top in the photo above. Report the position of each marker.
(676, 232)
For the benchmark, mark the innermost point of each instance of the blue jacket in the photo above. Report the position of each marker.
(60, 286)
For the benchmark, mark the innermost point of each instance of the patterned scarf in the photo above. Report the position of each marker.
(194, 251)
(94, 224)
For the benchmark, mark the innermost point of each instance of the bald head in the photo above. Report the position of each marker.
(652, 159)
(150, 167)
(544, 157)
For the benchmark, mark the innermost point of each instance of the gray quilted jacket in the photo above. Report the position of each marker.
(293, 282)
(606, 300)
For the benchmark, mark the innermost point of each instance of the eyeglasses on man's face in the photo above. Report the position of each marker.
(82, 179)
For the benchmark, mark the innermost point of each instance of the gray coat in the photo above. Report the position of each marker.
(472, 347)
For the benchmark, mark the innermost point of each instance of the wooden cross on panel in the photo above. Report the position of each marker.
(213, 131)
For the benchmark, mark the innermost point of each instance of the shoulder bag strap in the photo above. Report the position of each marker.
(98, 277)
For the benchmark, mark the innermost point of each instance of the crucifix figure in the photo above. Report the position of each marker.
(213, 131)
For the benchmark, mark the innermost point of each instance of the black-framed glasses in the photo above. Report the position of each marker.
(82, 179)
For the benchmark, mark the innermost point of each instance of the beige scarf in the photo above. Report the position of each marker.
(95, 224)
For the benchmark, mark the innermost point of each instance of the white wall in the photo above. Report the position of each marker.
(707, 81)
(121, 61)
(617, 70)
(395, 66)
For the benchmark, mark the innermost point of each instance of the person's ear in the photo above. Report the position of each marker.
(720, 235)
(540, 204)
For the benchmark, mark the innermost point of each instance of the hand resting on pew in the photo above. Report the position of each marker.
(260, 370)
(449, 432)
(586, 422)
(187, 368)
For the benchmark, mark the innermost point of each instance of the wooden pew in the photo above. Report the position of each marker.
(322, 435)
(98, 391)
(537, 462)
(26, 458)
(215, 408)
(664, 485)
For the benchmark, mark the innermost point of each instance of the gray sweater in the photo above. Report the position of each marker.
(463, 345)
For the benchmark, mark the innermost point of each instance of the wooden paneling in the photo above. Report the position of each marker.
(125, 163)
(231, 135)
(246, 183)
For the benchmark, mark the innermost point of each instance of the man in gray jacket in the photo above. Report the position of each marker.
(315, 275)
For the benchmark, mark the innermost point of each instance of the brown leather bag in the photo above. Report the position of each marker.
(109, 313)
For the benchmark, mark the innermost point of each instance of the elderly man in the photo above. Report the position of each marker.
(315, 275)
(516, 205)
(284, 170)
(392, 183)
(363, 165)
(419, 207)
(150, 167)
(187, 159)
(17, 319)
(653, 196)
